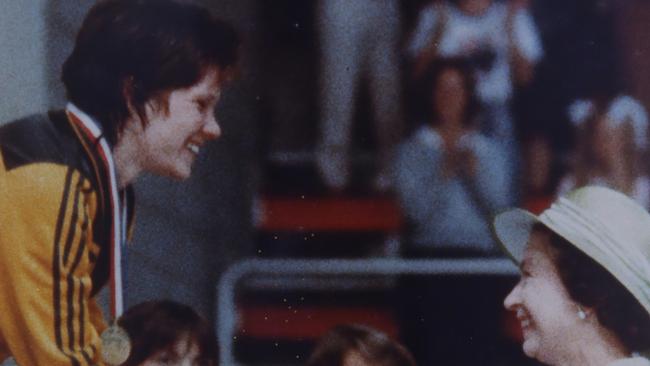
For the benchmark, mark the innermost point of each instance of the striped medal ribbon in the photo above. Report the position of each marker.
(116, 345)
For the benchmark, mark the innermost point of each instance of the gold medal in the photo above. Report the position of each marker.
(116, 345)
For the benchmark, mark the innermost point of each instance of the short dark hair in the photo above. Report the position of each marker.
(146, 48)
(155, 326)
(591, 285)
(371, 344)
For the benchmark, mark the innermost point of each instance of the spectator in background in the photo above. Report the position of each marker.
(358, 40)
(166, 333)
(501, 40)
(357, 345)
(611, 141)
(450, 178)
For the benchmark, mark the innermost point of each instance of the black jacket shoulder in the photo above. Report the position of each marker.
(42, 138)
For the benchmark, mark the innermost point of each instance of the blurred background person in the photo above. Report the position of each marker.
(610, 146)
(584, 293)
(167, 333)
(358, 345)
(358, 41)
(503, 44)
(450, 178)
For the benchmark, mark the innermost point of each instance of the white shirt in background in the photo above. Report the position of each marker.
(462, 34)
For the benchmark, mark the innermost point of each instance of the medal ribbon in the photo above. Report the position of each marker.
(88, 129)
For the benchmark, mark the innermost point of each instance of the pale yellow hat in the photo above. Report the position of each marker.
(605, 224)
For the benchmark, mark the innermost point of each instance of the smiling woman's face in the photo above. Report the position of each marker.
(547, 314)
(173, 137)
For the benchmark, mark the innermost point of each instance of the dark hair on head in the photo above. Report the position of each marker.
(591, 285)
(429, 82)
(156, 326)
(372, 345)
(131, 52)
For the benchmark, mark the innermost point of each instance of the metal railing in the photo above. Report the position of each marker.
(226, 307)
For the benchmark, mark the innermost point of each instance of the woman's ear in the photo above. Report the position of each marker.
(135, 120)
(129, 89)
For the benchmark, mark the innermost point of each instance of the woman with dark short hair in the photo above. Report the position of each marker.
(142, 81)
(358, 345)
(584, 293)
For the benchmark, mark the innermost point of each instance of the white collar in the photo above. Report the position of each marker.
(94, 127)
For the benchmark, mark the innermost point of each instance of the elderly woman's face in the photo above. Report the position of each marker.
(544, 309)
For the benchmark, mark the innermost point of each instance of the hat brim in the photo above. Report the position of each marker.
(512, 229)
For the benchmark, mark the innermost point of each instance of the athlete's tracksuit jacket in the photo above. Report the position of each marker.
(54, 243)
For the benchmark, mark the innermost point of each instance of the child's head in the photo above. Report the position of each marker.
(168, 333)
(357, 345)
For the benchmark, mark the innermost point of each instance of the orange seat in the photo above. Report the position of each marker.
(330, 214)
(310, 322)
